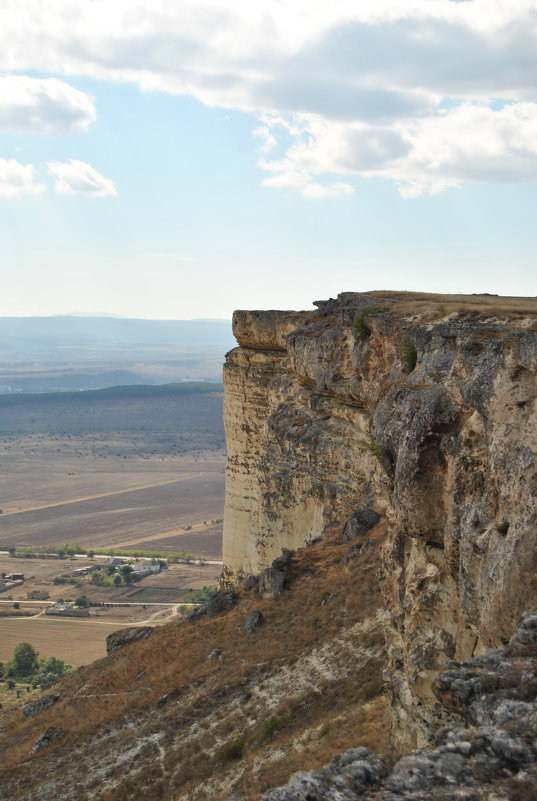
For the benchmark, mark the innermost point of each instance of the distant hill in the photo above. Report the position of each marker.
(33, 335)
(50, 354)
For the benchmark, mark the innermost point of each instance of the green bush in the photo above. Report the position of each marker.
(232, 750)
(276, 723)
(407, 354)
(200, 596)
(361, 329)
(376, 449)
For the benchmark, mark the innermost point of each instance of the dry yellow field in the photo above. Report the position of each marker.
(77, 642)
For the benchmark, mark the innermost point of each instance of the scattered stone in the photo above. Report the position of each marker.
(283, 561)
(359, 523)
(215, 654)
(271, 583)
(119, 639)
(37, 706)
(162, 700)
(250, 583)
(49, 736)
(254, 619)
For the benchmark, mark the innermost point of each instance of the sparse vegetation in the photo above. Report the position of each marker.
(361, 329)
(276, 724)
(407, 354)
(232, 750)
(375, 448)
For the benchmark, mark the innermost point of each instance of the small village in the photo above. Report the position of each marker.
(115, 571)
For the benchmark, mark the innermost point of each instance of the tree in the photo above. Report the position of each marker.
(82, 601)
(25, 660)
(50, 670)
(127, 572)
(117, 579)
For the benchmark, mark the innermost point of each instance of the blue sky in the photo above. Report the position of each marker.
(180, 160)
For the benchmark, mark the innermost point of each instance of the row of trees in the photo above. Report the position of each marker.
(26, 666)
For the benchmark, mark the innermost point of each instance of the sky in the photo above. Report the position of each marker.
(179, 159)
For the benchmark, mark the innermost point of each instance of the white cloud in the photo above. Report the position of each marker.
(75, 176)
(43, 105)
(319, 191)
(17, 180)
(346, 88)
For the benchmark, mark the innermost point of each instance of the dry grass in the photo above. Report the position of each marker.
(313, 667)
(404, 303)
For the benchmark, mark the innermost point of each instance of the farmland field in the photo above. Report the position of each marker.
(108, 469)
(77, 642)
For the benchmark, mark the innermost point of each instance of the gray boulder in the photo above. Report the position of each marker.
(49, 736)
(119, 639)
(250, 583)
(359, 523)
(40, 704)
(220, 602)
(254, 619)
(271, 583)
(283, 561)
(216, 654)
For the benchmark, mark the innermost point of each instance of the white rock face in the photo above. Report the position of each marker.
(426, 414)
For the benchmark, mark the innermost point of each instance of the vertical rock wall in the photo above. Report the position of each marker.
(326, 412)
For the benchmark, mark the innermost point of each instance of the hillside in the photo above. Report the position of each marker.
(158, 719)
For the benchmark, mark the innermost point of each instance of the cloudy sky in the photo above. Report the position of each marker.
(182, 158)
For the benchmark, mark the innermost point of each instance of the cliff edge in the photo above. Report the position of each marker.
(419, 409)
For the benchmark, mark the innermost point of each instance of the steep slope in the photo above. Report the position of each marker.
(421, 408)
(201, 709)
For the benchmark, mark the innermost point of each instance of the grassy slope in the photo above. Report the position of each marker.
(301, 688)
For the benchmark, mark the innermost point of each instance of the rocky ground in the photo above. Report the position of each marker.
(488, 753)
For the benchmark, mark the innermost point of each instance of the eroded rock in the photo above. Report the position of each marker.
(40, 704)
(119, 639)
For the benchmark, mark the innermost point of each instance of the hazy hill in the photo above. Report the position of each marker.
(41, 354)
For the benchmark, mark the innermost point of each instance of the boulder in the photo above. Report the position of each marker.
(40, 704)
(359, 523)
(216, 654)
(271, 583)
(283, 561)
(250, 583)
(254, 619)
(119, 639)
(49, 736)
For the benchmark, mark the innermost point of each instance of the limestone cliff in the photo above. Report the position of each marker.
(421, 408)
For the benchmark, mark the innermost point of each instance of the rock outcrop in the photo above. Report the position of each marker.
(417, 409)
